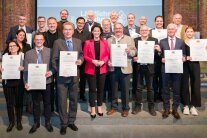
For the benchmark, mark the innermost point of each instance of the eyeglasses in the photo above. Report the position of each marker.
(12, 46)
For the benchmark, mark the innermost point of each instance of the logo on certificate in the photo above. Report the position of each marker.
(36, 66)
(145, 43)
(197, 41)
(11, 57)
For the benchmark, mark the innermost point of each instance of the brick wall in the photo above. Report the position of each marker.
(203, 18)
(13, 8)
(187, 8)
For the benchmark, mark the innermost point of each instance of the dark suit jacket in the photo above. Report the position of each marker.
(60, 45)
(150, 66)
(13, 30)
(86, 26)
(31, 58)
(164, 45)
(48, 40)
(126, 30)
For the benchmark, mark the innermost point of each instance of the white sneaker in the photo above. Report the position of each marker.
(186, 110)
(194, 111)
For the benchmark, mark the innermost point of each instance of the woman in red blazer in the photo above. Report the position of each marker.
(96, 55)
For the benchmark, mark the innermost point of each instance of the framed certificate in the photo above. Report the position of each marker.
(145, 52)
(68, 66)
(159, 34)
(29, 38)
(11, 64)
(36, 76)
(198, 49)
(173, 61)
(118, 55)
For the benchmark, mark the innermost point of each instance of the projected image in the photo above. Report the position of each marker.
(102, 9)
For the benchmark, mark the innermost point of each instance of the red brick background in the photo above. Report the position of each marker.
(188, 8)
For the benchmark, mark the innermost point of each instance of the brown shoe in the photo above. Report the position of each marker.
(176, 114)
(165, 114)
(125, 113)
(111, 111)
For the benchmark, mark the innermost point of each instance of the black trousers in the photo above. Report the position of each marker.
(174, 80)
(122, 80)
(157, 80)
(96, 87)
(54, 95)
(144, 72)
(107, 87)
(36, 97)
(14, 100)
(191, 72)
(82, 83)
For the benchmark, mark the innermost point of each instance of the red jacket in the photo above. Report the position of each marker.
(89, 55)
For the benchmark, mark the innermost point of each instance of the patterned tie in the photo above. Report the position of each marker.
(70, 45)
(39, 57)
(172, 45)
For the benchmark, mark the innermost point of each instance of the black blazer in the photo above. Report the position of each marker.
(13, 30)
(126, 30)
(86, 26)
(150, 66)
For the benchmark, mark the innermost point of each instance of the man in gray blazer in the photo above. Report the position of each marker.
(67, 84)
(171, 43)
(40, 55)
(121, 75)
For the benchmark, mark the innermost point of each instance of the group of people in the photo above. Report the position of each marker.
(93, 41)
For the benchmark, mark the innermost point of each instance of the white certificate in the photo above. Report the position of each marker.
(29, 39)
(68, 66)
(173, 61)
(198, 49)
(159, 34)
(146, 52)
(118, 55)
(36, 76)
(11, 64)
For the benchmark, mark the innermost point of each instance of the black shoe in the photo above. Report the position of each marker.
(63, 130)
(93, 116)
(73, 127)
(9, 128)
(100, 114)
(165, 114)
(19, 126)
(49, 127)
(34, 128)
(136, 110)
(152, 111)
(176, 114)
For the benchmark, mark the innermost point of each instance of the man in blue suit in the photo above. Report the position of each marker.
(21, 25)
(171, 43)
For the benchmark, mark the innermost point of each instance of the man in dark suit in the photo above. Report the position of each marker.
(145, 71)
(50, 36)
(90, 21)
(171, 43)
(131, 29)
(83, 35)
(21, 25)
(40, 55)
(69, 84)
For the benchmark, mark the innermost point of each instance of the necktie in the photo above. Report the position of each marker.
(70, 45)
(172, 45)
(39, 57)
